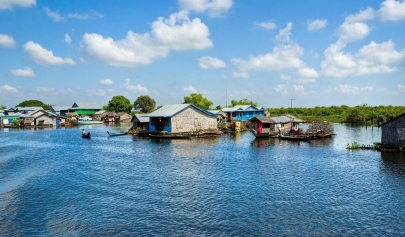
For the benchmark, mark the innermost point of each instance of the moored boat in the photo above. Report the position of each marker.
(169, 136)
(86, 135)
(116, 134)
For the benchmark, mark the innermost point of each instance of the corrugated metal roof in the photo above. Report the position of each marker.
(242, 108)
(173, 109)
(29, 108)
(263, 119)
(86, 105)
(281, 119)
(143, 118)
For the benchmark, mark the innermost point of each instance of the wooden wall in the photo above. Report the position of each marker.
(192, 120)
(393, 133)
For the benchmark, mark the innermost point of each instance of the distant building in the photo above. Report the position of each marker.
(393, 133)
(178, 118)
(84, 108)
(243, 112)
(140, 121)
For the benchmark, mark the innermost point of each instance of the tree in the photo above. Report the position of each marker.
(245, 101)
(198, 100)
(119, 103)
(105, 107)
(3, 107)
(34, 103)
(145, 104)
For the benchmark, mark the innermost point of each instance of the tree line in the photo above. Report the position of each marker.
(361, 114)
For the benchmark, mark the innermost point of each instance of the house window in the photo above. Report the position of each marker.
(240, 114)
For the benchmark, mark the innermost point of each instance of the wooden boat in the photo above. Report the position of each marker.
(170, 136)
(264, 135)
(86, 135)
(116, 134)
(295, 137)
(88, 122)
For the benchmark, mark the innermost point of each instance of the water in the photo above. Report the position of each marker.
(55, 183)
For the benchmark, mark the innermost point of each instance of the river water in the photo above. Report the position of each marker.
(55, 183)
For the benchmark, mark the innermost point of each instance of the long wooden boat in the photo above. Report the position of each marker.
(87, 135)
(170, 136)
(295, 137)
(116, 134)
(88, 122)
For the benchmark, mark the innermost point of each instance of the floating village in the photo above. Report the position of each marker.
(185, 121)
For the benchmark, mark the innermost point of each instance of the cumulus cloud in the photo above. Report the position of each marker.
(207, 62)
(55, 16)
(401, 87)
(26, 72)
(266, 25)
(43, 56)
(9, 4)
(284, 34)
(138, 88)
(97, 92)
(8, 89)
(299, 90)
(7, 41)
(363, 15)
(307, 72)
(215, 8)
(285, 77)
(106, 82)
(315, 25)
(281, 89)
(190, 89)
(177, 32)
(392, 10)
(68, 40)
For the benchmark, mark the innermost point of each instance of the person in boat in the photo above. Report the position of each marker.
(83, 132)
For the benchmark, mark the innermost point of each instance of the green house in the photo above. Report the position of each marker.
(85, 108)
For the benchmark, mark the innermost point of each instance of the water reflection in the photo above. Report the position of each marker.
(393, 163)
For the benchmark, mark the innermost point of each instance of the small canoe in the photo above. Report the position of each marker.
(116, 134)
(88, 135)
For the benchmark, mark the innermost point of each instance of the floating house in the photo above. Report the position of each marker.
(393, 133)
(6, 120)
(263, 126)
(243, 112)
(84, 108)
(181, 118)
(59, 110)
(221, 116)
(140, 121)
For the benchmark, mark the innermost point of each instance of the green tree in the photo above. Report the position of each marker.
(245, 101)
(119, 103)
(3, 107)
(34, 103)
(145, 104)
(198, 100)
(105, 107)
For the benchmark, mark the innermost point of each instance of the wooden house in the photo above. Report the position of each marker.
(221, 116)
(109, 117)
(44, 118)
(263, 126)
(140, 121)
(393, 133)
(122, 117)
(243, 112)
(6, 120)
(181, 118)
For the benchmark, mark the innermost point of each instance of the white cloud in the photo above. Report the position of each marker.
(215, 8)
(349, 32)
(352, 90)
(8, 4)
(207, 62)
(6, 41)
(138, 88)
(308, 72)
(392, 10)
(299, 90)
(401, 87)
(364, 15)
(315, 25)
(370, 59)
(266, 25)
(240, 75)
(27, 72)
(281, 89)
(284, 34)
(106, 81)
(175, 33)
(85, 16)
(68, 40)
(43, 56)
(190, 89)
(6, 88)
(55, 16)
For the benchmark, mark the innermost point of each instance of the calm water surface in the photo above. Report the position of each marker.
(55, 183)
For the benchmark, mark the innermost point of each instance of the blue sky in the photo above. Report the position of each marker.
(319, 53)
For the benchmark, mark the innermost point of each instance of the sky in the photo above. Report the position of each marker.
(277, 53)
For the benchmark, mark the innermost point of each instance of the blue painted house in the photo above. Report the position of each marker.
(243, 112)
(181, 118)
